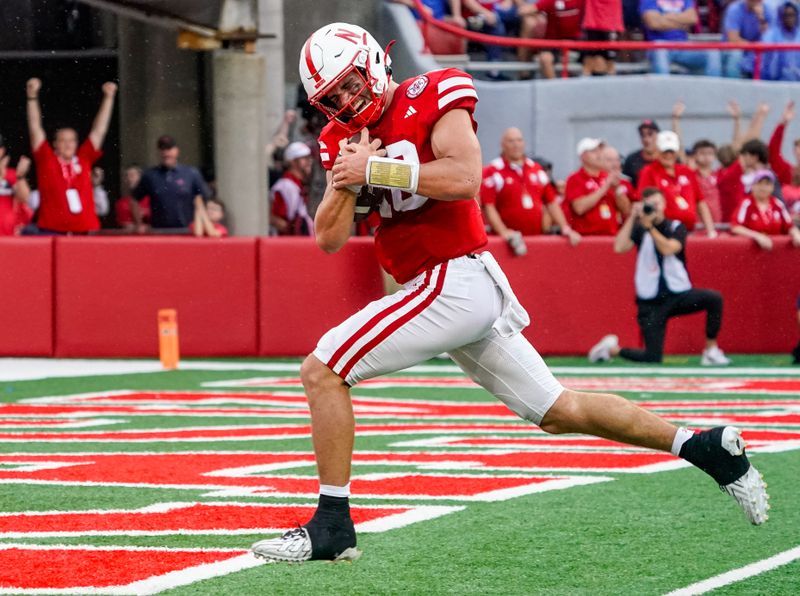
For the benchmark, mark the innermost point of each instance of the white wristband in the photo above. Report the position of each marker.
(385, 172)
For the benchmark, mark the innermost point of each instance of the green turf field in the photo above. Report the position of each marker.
(137, 482)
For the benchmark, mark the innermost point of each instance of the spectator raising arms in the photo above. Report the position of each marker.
(678, 184)
(64, 170)
(671, 20)
(517, 196)
(172, 188)
(761, 215)
(783, 65)
(788, 176)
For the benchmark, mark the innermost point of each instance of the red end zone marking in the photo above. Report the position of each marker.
(27, 568)
(176, 518)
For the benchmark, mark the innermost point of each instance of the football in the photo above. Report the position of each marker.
(368, 199)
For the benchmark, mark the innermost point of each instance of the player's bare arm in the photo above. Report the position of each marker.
(456, 172)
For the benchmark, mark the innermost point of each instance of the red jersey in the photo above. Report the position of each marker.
(600, 220)
(603, 15)
(773, 219)
(67, 197)
(519, 193)
(681, 192)
(710, 189)
(731, 188)
(417, 232)
(564, 18)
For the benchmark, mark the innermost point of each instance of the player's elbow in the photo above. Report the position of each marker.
(330, 243)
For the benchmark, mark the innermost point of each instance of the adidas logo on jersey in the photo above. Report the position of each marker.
(410, 112)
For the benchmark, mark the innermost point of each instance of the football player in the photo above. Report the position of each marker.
(413, 146)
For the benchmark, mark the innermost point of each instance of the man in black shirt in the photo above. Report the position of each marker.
(172, 188)
(663, 288)
(635, 161)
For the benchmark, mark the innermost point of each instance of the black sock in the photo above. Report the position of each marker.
(331, 529)
(704, 450)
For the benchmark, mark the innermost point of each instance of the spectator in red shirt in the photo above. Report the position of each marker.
(624, 192)
(14, 191)
(517, 196)
(64, 170)
(704, 158)
(787, 174)
(735, 180)
(564, 18)
(125, 207)
(589, 198)
(602, 21)
(761, 215)
(289, 195)
(678, 183)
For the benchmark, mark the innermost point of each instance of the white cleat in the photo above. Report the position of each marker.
(601, 351)
(294, 547)
(714, 357)
(750, 490)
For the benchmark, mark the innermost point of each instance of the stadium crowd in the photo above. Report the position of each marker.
(674, 21)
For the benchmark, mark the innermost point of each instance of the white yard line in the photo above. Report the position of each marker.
(740, 574)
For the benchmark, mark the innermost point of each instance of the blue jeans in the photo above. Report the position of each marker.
(506, 19)
(708, 62)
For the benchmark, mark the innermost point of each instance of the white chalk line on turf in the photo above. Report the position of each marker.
(737, 575)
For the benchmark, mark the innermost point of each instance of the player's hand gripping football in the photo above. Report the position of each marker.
(350, 168)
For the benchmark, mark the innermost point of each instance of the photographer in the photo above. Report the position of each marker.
(663, 289)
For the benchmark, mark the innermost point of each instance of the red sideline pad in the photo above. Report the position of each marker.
(26, 296)
(305, 292)
(108, 291)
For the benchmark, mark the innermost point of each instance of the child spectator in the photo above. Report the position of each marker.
(126, 205)
(761, 215)
(208, 218)
(100, 194)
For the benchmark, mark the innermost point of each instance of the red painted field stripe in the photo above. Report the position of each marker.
(199, 516)
(27, 569)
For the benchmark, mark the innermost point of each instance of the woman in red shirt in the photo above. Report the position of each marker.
(761, 215)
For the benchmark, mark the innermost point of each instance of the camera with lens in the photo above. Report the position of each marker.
(648, 209)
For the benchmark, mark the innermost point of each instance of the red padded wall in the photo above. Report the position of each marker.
(305, 292)
(26, 296)
(108, 291)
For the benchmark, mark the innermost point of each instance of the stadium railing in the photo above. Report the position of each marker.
(566, 45)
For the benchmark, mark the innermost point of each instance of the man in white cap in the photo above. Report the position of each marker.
(590, 200)
(289, 195)
(678, 183)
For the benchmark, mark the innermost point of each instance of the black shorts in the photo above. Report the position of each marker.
(595, 35)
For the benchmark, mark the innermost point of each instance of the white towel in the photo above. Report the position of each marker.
(513, 318)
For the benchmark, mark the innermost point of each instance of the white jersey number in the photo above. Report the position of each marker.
(402, 201)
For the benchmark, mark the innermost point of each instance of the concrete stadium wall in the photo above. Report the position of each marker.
(98, 297)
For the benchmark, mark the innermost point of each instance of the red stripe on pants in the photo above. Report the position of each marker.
(391, 328)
